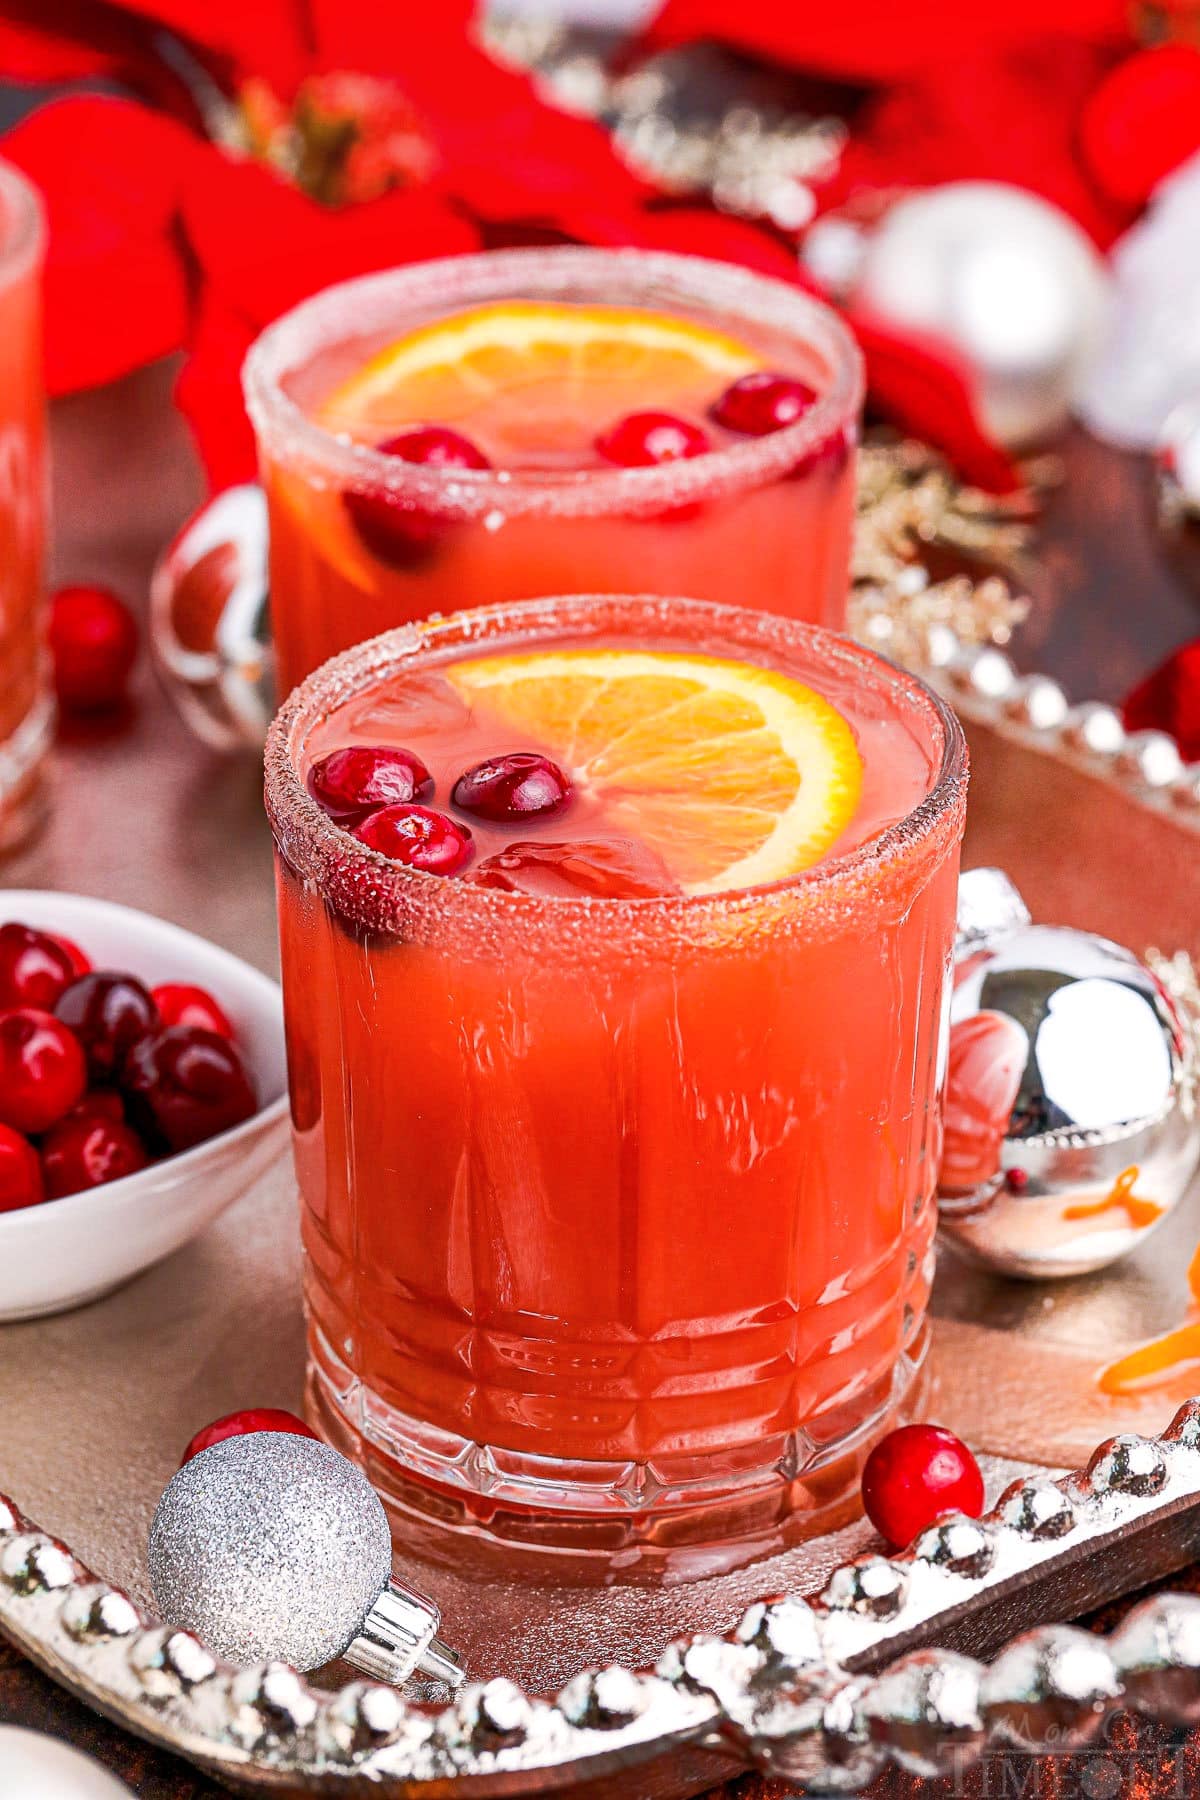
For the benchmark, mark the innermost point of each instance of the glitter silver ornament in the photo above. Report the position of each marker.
(210, 630)
(1069, 1115)
(1005, 279)
(273, 1547)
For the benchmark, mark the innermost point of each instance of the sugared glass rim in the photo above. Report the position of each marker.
(376, 302)
(381, 895)
(22, 222)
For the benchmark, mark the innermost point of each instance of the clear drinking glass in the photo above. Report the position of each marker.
(618, 1213)
(759, 521)
(25, 707)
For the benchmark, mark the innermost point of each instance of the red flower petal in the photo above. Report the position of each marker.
(34, 48)
(1005, 117)
(876, 40)
(116, 286)
(263, 245)
(1142, 122)
(1169, 700)
(209, 393)
(919, 386)
(383, 40)
(261, 37)
(507, 155)
(693, 231)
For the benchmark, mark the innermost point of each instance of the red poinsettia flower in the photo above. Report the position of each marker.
(289, 145)
(266, 150)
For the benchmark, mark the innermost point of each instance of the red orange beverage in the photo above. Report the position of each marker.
(615, 936)
(534, 422)
(24, 703)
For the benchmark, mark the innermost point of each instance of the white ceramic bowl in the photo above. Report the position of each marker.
(64, 1252)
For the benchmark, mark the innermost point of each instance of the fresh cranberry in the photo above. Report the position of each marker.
(642, 439)
(829, 457)
(108, 1013)
(913, 1476)
(97, 1103)
(80, 964)
(241, 1424)
(508, 789)
(184, 1085)
(93, 645)
(20, 1172)
(436, 447)
(763, 402)
(179, 1004)
(34, 969)
(418, 837)
(603, 870)
(84, 1153)
(42, 1070)
(402, 535)
(357, 780)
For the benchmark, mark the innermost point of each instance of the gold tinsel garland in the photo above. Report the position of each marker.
(912, 515)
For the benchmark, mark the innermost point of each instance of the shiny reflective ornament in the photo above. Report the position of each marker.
(271, 1546)
(1005, 279)
(33, 1767)
(1069, 1124)
(210, 630)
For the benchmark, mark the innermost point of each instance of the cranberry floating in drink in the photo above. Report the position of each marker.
(616, 1142)
(525, 422)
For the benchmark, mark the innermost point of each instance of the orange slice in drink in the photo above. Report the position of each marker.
(536, 376)
(734, 774)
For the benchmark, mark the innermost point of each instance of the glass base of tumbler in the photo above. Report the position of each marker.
(22, 787)
(715, 1513)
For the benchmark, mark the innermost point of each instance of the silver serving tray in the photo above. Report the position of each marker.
(792, 1691)
(1098, 830)
(125, 1383)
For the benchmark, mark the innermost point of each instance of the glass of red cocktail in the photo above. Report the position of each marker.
(615, 936)
(540, 421)
(25, 711)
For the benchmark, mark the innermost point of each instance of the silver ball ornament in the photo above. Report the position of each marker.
(210, 628)
(273, 1547)
(1005, 279)
(1069, 1117)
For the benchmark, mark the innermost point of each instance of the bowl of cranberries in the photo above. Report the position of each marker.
(143, 1089)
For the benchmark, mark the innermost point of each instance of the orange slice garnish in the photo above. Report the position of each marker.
(735, 775)
(536, 373)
